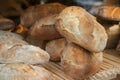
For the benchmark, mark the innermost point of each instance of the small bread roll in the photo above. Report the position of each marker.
(79, 63)
(20, 71)
(54, 48)
(78, 26)
(6, 24)
(23, 53)
(45, 29)
(33, 13)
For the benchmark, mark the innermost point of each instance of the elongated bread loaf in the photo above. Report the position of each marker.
(14, 49)
(107, 12)
(78, 26)
(20, 71)
(34, 13)
(6, 24)
(79, 63)
(45, 29)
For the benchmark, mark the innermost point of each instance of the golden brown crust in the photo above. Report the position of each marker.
(20, 71)
(108, 12)
(6, 24)
(78, 26)
(79, 63)
(45, 29)
(33, 13)
(113, 32)
(54, 48)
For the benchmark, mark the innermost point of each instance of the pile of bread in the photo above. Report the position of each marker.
(70, 35)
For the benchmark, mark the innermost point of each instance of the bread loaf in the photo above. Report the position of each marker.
(33, 13)
(6, 24)
(14, 49)
(78, 26)
(45, 29)
(23, 53)
(55, 48)
(79, 63)
(10, 38)
(113, 33)
(108, 12)
(20, 71)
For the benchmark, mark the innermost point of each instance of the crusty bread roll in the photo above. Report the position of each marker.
(78, 26)
(6, 24)
(55, 48)
(108, 12)
(20, 71)
(79, 63)
(45, 29)
(113, 33)
(33, 13)
(23, 53)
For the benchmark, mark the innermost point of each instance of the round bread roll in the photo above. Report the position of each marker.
(78, 26)
(79, 63)
(55, 48)
(23, 53)
(33, 13)
(6, 24)
(45, 29)
(20, 71)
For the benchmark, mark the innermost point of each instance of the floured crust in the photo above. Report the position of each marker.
(19, 71)
(55, 48)
(79, 63)
(78, 26)
(24, 53)
(14, 49)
